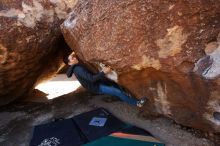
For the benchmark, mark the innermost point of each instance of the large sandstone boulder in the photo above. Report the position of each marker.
(30, 43)
(166, 50)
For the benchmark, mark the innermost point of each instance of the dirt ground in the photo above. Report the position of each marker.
(18, 119)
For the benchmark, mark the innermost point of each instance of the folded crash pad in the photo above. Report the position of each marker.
(133, 140)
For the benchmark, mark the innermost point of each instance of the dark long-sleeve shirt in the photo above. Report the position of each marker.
(86, 78)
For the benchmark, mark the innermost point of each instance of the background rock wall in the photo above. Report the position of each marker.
(31, 44)
(166, 50)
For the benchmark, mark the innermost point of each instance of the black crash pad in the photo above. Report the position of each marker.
(78, 130)
(81, 129)
(60, 133)
(98, 123)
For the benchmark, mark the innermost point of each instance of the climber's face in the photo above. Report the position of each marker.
(72, 59)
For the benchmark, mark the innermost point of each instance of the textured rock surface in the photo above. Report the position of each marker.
(29, 43)
(167, 50)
